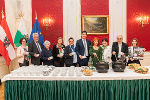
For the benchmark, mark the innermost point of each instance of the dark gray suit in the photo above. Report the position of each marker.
(115, 48)
(68, 58)
(32, 50)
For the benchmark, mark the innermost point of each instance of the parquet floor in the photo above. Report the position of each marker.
(2, 91)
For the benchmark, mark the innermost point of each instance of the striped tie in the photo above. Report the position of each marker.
(39, 48)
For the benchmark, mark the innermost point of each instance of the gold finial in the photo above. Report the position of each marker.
(35, 15)
(2, 13)
(20, 14)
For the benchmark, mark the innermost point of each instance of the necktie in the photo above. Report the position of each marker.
(72, 47)
(39, 48)
(85, 46)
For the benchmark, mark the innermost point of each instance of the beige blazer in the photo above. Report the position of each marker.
(107, 54)
(20, 55)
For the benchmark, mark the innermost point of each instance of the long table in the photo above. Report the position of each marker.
(126, 85)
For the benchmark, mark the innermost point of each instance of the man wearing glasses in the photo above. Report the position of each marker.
(35, 49)
(119, 49)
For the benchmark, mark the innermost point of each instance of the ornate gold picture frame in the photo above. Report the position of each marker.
(95, 24)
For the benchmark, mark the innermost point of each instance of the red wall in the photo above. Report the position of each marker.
(136, 8)
(2, 5)
(95, 7)
(54, 9)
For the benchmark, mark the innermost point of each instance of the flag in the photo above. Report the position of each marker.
(36, 29)
(21, 32)
(6, 42)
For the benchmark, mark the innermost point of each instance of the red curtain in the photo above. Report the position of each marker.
(54, 10)
(136, 8)
(95, 7)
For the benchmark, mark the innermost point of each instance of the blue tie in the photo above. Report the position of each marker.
(72, 47)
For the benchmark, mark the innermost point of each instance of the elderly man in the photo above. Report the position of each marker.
(35, 49)
(119, 49)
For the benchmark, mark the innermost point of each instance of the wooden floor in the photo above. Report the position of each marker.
(2, 91)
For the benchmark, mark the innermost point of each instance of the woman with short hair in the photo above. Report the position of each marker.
(70, 54)
(22, 53)
(134, 52)
(95, 51)
(58, 53)
(46, 54)
(106, 51)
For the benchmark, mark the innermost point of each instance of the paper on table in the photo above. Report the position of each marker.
(73, 53)
(83, 57)
(51, 57)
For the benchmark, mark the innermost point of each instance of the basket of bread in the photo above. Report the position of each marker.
(133, 66)
(142, 70)
(138, 68)
(87, 72)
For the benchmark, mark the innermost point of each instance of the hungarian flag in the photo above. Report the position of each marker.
(21, 32)
(6, 42)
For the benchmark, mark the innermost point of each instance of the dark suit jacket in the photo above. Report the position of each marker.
(58, 62)
(32, 48)
(45, 55)
(115, 48)
(80, 49)
(68, 59)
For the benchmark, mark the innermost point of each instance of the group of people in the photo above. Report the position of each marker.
(74, 55)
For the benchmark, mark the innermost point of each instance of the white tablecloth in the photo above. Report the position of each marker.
(19, 74)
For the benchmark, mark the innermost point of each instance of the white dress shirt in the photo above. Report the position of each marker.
(119, 53)
(85, 46)
(107, 54)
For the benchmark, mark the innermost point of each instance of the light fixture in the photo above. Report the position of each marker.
(46, 22)
(142, 20)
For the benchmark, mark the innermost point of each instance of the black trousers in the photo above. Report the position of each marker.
(83, 62)
(134, 61)
(23, 64)
(74, 64)
(59, 63)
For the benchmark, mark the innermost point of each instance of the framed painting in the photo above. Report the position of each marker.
(95, 24)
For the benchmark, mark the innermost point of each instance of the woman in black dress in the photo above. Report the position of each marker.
(58, 53)
(46, 54)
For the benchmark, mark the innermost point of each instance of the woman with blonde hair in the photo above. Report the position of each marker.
(134, 52)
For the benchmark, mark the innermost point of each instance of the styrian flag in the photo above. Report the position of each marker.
(21, 32)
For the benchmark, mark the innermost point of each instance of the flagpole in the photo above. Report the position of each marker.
(35, 15)
(9, 69)
(2, 13)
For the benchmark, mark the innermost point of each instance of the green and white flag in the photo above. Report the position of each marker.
(21, 32)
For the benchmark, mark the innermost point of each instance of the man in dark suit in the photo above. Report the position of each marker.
(82, 49)
(35, 49)
(119, 49)
(70, 54)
